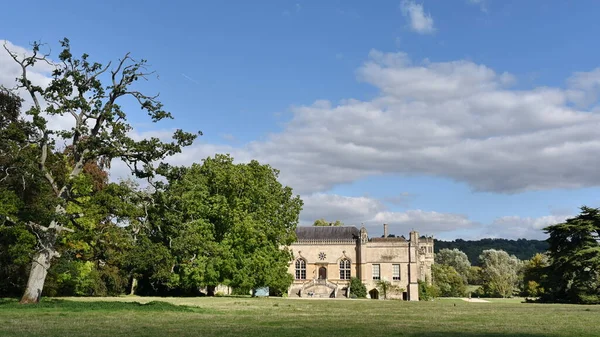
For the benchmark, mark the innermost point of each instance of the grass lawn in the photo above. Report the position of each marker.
(124, 316)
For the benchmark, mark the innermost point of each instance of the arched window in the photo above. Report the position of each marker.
(345, 269)
(300, 269)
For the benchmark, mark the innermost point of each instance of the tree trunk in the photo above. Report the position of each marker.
(37, 276)
(134, 283)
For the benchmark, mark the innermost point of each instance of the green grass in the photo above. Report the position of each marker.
(124, 316)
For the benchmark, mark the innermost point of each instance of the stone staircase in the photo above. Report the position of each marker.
(317, 288)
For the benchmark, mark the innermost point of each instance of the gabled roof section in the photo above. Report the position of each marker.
(327, 233)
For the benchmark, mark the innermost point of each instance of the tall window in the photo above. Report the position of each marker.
(376, 275)
(300, 269)
(395, 272)
(345, 269)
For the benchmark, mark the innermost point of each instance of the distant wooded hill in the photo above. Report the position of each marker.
(522, 248)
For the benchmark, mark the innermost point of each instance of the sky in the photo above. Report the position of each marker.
(458, 119)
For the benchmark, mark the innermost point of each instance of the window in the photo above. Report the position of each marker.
(376, 275)
(345, 269)
(300, 269)
(430, 249)
(396, 272)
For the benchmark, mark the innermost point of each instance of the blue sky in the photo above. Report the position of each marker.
(456, 118)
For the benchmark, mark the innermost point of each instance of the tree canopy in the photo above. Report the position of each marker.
(500, 272)
(51, 180)
(574, 252)
(223, 223)
(448, 281)
(456, 259)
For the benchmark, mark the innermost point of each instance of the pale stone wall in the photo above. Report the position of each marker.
(333, 254)
(414, 257)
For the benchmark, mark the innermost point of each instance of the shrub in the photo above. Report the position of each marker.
(427, 292)
(357, 288)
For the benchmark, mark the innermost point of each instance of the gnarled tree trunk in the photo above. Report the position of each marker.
(47, 238)
(37, 276)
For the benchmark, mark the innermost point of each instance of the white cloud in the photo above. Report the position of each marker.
(516, 227)
(356, 211)
(459, 120)
(349, 210)
(370, 212)
(420, 21)
(426, 222)
(585, 88)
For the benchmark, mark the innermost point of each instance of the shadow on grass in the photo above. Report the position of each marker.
(469, 334)
(70, 306)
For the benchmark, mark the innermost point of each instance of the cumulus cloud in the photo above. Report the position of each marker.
(419, 21)
(458, 120)
(372, 213)
(349, 210)
(516, 227)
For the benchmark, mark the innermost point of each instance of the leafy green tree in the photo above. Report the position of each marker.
(225, 223)
(449, 282)
(100, 132)
(534, 274)
(500, 272)
(456, 259)
(357, 288)
(16, 241)
(475, 276)
(428, 292)
(574, 252)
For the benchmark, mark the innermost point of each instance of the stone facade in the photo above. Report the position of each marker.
(326, 257)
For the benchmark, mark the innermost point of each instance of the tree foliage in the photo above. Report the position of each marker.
(448, 281)
(357, 288)
(50, 181)
(523, 249)
(427, 291)
(221, 223)
(500, 273)
(574, 252)
(534, 275)
(456, 259)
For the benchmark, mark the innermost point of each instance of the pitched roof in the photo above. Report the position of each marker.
(315, 233)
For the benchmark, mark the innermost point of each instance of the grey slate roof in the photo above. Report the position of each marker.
(315, 233)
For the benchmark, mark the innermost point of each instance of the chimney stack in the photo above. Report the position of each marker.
(385, 230)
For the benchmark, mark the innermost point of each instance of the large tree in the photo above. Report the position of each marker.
(222, 223)
(500, 272)
(448, 281)
(91, 95)
(456, 259)
(574, 271)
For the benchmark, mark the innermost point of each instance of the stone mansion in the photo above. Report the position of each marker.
(325, 258)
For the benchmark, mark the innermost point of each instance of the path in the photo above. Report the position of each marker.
(477, 300)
